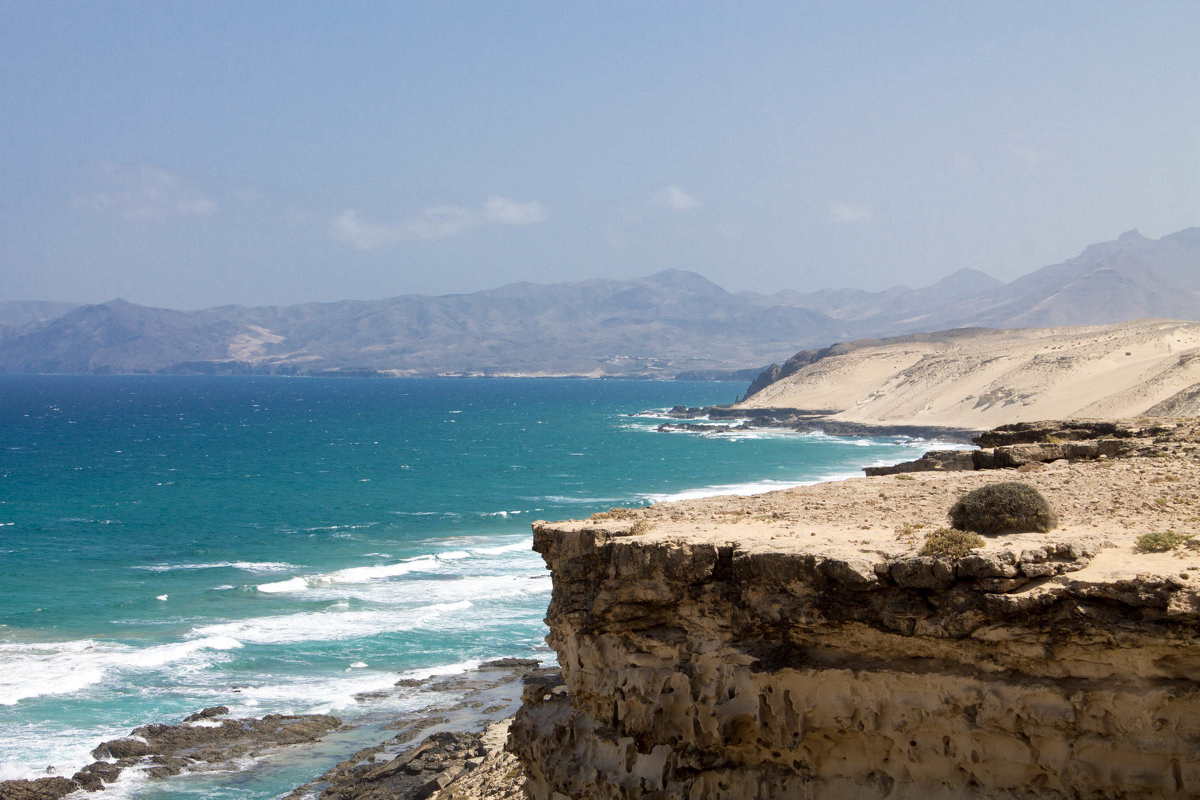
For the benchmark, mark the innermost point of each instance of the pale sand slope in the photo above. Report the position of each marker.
(979, 379)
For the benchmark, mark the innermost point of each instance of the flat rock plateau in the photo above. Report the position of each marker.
(798, 645)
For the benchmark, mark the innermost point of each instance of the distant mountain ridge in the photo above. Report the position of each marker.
(656, 326)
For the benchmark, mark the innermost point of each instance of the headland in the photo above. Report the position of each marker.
(799, 645)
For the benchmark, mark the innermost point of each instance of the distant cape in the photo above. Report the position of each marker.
(975, 378)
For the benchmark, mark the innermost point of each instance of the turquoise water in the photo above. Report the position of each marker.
(283, 544)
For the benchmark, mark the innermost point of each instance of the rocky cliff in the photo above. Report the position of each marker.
(797, 645)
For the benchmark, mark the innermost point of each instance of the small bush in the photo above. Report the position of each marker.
(950, 543)
(1002, 508)
(639, 527)
(1161, 541)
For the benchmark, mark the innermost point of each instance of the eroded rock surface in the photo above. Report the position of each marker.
(203, 741)
(795, 645)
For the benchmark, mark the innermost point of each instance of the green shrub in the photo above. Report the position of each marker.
(1002, 508)
(1161, 541)
(950, 543)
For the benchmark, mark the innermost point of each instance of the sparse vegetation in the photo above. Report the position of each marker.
(1161, 541)
(1003, 508)
(615, 512)
(639, 527)
(949, 543)
(907, 532)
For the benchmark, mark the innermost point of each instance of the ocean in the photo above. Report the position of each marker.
(293, 545)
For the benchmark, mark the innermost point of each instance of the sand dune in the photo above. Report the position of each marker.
(983, 378)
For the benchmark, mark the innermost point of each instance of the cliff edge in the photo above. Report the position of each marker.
(797, 645)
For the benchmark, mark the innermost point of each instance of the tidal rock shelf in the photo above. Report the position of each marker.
(797, 645)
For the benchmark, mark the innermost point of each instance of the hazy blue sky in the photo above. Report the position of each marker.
(196, 154)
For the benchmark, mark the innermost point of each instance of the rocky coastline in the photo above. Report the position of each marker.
(800, 645)
(802, 421)
(449, 746)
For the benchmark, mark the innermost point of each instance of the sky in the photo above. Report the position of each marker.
(192, 154)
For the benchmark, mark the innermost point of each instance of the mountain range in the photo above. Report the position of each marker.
(661, 325)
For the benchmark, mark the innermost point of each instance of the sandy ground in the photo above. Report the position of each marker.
(1108, 504)
(981, 379)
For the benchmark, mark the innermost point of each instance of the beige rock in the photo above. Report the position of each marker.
(794, 645)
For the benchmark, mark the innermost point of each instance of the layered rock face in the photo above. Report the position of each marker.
(756, 659)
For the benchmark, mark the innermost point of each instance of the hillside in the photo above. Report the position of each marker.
(655, 326)
(980, 378)
(660, 325)
(1131, 277)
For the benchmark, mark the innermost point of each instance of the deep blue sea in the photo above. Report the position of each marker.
(164, 540)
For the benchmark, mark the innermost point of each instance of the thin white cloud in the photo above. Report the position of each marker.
(144, 194)
(435, 222)
(674, 198)
(849, 213)
(513, 212)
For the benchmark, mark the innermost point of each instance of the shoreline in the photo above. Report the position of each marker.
(212, 742)
(814, 421)
(466, 719)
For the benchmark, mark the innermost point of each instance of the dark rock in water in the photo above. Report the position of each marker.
(170, 749)
(933, 461)
(531, 663)
(95, 775)
(122, 748)
(691, 427)
(165, 750)
(415, 774)
(208, 713)
(41, 789)
(166, 766)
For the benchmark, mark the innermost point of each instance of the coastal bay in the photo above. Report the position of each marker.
(281, 545)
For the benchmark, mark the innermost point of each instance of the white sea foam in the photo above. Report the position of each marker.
(531, 580)
(53, 668)
(29, 749)
(335, 625)
(563, 500)
(746, 489)
(245, 566)
(740, 489)
(204, 723)
(290, 585)
(326, 694)
(352, 575)
(524, 544)
(129, 784)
